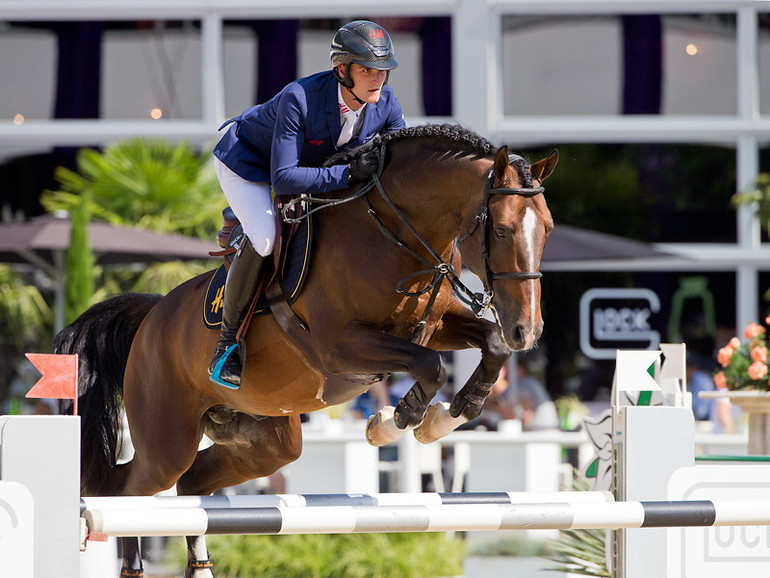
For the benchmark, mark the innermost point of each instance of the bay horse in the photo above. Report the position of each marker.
(381, 296)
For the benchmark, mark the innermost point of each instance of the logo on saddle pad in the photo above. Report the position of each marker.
(294, 271)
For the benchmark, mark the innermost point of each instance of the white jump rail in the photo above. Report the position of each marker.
(411, 518)
(316, 500)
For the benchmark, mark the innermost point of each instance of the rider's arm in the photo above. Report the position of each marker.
(288, 177)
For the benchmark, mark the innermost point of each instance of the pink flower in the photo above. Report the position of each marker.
(735, 343)
(724, 355)
(757, 370)
(753, 330)
(759, 353)
(720, 380)
(767, 319)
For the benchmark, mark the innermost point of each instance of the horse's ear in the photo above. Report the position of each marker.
(501, 164)
(542, 169)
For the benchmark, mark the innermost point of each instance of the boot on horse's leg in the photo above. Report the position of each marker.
(198, 562)
(226, 369)
(411, 408)
(470, 399)
(132, 560)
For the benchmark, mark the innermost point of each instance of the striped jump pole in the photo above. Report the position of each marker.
(325, 500)
(411, 518)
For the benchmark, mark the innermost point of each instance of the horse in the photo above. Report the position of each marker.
(382, 295)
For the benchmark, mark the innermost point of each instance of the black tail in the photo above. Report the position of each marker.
(101, 337)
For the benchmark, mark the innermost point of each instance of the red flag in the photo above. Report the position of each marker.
(59, 379)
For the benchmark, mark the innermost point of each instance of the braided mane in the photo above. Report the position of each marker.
(453, 133)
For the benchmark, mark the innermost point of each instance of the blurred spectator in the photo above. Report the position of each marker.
(499, 404)
(371, 401)
(535, 408)
(719, 412)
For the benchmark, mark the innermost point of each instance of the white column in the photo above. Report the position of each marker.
(747, 159)
(475, 61)
(213, 89)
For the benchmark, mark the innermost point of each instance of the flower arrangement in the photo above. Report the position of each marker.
(744, 365)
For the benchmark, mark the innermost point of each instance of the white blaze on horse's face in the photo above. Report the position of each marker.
(528, 228)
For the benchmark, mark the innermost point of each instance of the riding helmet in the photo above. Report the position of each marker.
(364, 43)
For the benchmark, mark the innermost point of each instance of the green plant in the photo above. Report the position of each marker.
(79, 287)
(23, 310)
(149, 185)
(146, 184)
(24, 319)
(406, 555)
(514, 545)
(759, 194)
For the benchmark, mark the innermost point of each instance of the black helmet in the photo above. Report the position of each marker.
(364, 43)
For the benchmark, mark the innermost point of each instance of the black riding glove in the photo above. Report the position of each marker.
(363, 167)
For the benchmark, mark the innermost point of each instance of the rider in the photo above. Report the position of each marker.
(283, 143)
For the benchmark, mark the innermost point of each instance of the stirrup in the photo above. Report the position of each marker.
(218, 369)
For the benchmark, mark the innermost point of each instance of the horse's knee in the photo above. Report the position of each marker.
(430, 371)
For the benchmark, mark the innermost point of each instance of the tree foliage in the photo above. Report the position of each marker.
(146, 184)
(79, 286)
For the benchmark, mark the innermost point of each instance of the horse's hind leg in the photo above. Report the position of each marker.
(244, 448)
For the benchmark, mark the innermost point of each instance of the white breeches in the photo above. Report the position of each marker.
(252, 204)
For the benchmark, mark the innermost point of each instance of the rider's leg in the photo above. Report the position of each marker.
(252, 204)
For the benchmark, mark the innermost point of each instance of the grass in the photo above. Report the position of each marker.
(406, 555)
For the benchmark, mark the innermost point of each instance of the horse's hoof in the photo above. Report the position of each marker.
(381, 429)
(437, 424)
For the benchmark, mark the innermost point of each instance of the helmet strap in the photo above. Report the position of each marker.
(353, 94)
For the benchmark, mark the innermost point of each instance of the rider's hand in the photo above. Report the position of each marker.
(363, 167)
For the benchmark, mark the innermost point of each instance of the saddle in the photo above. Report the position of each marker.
(280, 287)
(284, 281)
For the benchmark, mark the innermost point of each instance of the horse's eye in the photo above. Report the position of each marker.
(501, 232)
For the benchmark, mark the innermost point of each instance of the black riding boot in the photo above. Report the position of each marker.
(242, 278)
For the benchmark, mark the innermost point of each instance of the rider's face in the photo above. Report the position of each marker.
(367, 84)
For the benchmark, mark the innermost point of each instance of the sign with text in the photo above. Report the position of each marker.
(719, 551)
(612, 319)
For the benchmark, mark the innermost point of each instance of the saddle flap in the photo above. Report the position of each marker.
(291, 263)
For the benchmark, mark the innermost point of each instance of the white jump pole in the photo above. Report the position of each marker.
(325, 500)
(457, 517)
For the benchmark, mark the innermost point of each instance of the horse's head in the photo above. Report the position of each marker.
(506, 245)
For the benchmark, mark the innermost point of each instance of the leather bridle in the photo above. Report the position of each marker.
(478, 302)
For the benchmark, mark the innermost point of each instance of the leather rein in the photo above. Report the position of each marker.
(479, 303)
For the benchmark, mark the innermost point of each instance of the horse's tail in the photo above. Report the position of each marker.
(101, 337)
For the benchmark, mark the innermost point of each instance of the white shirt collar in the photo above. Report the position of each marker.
(344, 108)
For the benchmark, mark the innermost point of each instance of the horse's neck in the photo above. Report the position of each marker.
(440, 195)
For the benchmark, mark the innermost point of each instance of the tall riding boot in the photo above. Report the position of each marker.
(245, 271)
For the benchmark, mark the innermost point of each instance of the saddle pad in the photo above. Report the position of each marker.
(295, 268)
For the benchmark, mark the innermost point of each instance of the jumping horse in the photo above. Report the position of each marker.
(382, 295)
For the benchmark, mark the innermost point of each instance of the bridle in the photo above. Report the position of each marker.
(479, 303)
(482, 220)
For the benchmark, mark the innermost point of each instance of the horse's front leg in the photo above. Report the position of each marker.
(460, 329)
(363, 349)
